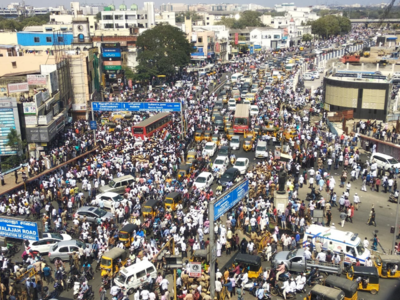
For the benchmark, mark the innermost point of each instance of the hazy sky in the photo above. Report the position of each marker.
(41, 3)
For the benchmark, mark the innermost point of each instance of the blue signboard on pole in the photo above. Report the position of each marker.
(18, 229)
(231, 199)
(251, 49)
(93, 125)
(111, 54)
(137, 106)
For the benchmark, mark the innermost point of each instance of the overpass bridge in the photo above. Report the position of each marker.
(370, 21)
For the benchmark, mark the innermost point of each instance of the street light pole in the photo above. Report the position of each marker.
(395, 225)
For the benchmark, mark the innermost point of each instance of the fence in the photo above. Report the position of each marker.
(336, 53)
(381, 146)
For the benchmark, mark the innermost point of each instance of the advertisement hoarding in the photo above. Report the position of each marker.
(30, 108)
(30, 120)
(113, 54)
(36, 79)
(112, 67)
(111, 50)
(112, 63)
(236, 38)
(18, 87)
(9, 120)
(45, 120)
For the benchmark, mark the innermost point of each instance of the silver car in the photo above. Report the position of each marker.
(63, 249)
(93, 213)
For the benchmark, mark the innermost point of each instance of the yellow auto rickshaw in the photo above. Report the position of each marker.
(229, 134)
(228, 126)
(112, 261)
(301, 48)
(191, 155)
(323, 293)
(207, 136)
(249, 134)
(149, 209)
(368, 278)
(347, 286)
(111, 126)
(227, 119)
(116, 117)
(200, 256)
(126, 234)
(248, 144)
(183, 172)
(388, 266)
(215, 139)
(104, 121)
(250, 263)
(198, 136)
(172, 200)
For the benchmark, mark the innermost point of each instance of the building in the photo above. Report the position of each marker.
(366, 93)
(174, 7)
(221, 35)
(165, 17)
(124, 18)
(269, 38)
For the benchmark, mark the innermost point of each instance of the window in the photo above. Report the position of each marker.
(36, 39)
(277, 36)
(149, 270)
(72, 249)
(200, 40)
(60, 39)
(14, 64)
(141, 274)
(48, 39)
(63, 250)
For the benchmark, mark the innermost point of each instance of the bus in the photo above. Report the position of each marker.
(151, 125)
(241, 119)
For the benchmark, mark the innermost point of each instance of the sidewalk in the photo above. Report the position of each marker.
(9, 179)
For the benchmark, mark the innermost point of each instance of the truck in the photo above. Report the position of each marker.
(295, 262)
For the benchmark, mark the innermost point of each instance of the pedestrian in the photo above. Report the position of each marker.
(372, 218)
(328, 218)
(343, 217)
(2, 179)
(375, 243)
(356, 201)
(16, 176)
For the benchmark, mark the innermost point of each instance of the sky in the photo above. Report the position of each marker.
(44, 3)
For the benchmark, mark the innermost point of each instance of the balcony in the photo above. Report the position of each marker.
(81, 40)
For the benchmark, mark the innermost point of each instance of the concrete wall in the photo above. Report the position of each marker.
(8, 38)
(79, 80)
(27, 63)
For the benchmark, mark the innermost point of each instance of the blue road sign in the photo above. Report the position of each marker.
(231, 199)
(137, 106)
(18, 229)
(93, 125)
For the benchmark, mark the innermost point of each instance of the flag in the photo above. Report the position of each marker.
(166, 135)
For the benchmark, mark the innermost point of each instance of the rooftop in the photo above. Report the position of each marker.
(347, 75)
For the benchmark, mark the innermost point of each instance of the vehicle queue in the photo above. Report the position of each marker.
(158, 189)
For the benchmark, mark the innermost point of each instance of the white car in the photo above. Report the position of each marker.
(235, 142)
(321, 70)
(209, 149)
(221, 162)
(232, 106)
(110, 199)
(203, 181)
(242, 164)
(317, 51)
(315, 74)
(308, 76)
(254, 110)
(46, 243)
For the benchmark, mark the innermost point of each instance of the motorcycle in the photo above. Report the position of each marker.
(310, 197)
(277, 290)
(393, 199)
(77, 286)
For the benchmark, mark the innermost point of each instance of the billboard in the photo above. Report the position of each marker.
(112, 63)
(36, 79)
(30, 108)
(111, 50)
(137, 106)
(112, 67)
(30, 120)
(9, 120)
(46, 119)
(111, 54)
(110, 45)
(19, 229)
(230, 199)
(53, 81)
(236, 38)
(194, 269)
(18, 87)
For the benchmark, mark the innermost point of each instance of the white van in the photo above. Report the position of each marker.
(384, 161)
(349, 242)
(236, 77)
(261, 149)
(133, 276)
(254, 110)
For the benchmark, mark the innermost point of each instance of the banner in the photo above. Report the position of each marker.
(112, 63)
(112, 67)
(29, 108)
(111, 54)
(236, 38)
(18, 87)
(36, 79)
(109, 50)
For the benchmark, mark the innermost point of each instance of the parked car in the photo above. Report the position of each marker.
(93, 213)
(230, 175)
(48, 240)
(110, 199)
(203, 181)
(209, 149)
(63, 249)
(308, 76)
(242, 164)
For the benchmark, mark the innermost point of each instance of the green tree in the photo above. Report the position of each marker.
(17, 144)
(180, 18)
(247, 18)
(160, 50)
(330, 25)
(98, 16)
(129, 74)
(307, 37)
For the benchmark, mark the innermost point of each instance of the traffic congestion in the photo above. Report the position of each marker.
(130, 219)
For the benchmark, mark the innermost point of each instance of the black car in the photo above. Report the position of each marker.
(224, 151)
(230, 175)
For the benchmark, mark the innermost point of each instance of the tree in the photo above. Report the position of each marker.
(247, 18)
(330, 25)
(128, 72)
(162, 49)
(17, 144)
(180, 18)
(98, 16)
(307, 37)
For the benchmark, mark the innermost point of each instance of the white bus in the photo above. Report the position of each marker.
(236, 77)
(347, 241)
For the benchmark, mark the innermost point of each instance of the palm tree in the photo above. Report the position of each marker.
(15, 142)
